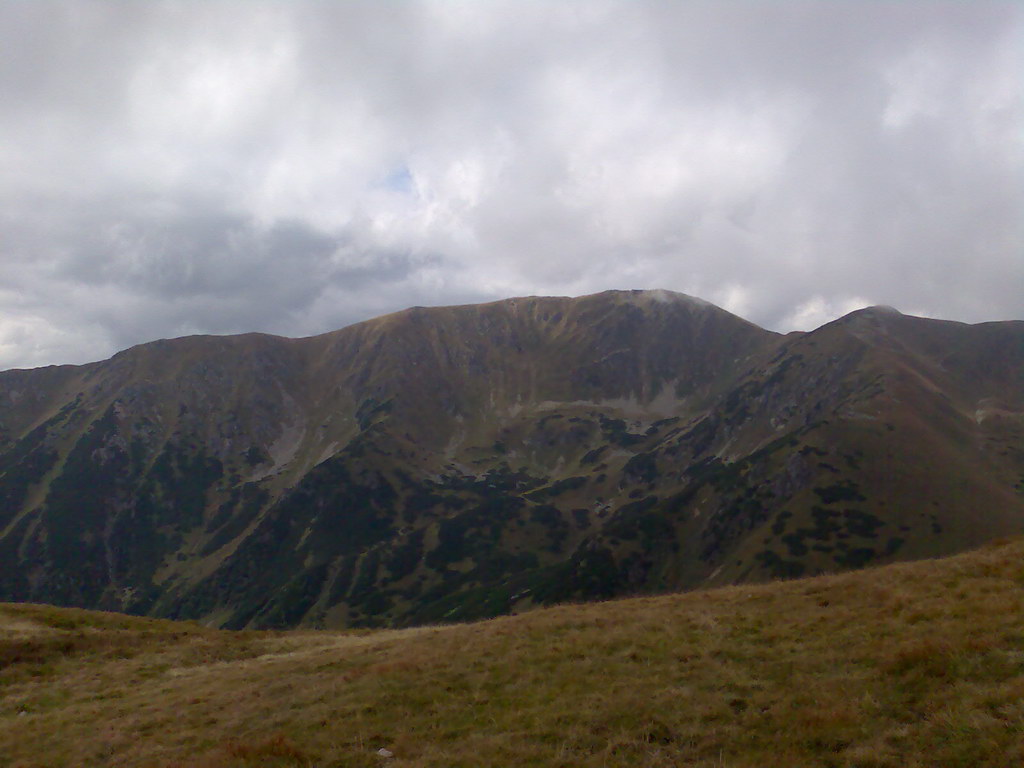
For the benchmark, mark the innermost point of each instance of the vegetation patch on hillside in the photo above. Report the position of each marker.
(904, 666)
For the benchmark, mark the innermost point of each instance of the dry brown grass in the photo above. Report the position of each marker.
(910, 665)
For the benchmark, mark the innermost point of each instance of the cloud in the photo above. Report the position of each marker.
(175, 167)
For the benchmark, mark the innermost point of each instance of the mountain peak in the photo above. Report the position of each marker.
(874, 311)
(866, 317)
(881, 309)
(654, 296)
(455, 462)
(663, 296)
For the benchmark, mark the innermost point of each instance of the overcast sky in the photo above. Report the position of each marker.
(169, 168)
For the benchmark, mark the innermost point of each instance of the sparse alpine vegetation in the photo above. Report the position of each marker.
(904, 666)
(456, 463)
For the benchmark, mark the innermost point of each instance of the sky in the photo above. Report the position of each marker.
(171, 168)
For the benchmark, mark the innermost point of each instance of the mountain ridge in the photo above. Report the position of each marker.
(455, 462)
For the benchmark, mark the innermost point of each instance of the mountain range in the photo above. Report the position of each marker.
(450, 463)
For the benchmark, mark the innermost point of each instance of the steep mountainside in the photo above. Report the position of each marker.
(468, 461)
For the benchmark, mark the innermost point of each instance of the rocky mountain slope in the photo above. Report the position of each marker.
(458, 462)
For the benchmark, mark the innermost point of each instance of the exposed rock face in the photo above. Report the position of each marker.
(467, 461)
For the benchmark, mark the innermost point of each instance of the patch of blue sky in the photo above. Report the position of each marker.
(400, 180)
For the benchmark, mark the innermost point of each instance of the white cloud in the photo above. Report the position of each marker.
(818, 310)
(221, 167)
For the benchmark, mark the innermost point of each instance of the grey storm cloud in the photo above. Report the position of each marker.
(183, 167)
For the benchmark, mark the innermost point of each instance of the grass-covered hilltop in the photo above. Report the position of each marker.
(458, 463)
(903, 666)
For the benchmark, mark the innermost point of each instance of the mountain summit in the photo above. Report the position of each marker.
(458, 462)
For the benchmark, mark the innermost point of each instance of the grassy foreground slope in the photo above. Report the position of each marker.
(916, 664)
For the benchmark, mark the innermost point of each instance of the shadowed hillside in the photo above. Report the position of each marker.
(463, 462)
